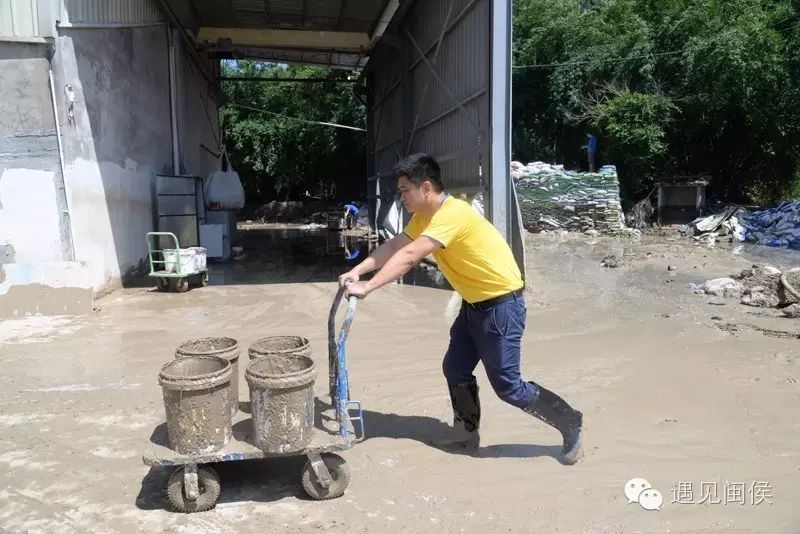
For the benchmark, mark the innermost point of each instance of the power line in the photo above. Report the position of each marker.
(626, 58)
(332, 124)
(282, 80)
(789, 28)
(585, 62)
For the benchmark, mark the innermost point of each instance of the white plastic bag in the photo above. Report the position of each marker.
(391, 223)
(223, 188)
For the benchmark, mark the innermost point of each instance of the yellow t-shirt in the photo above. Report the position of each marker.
(473, 257)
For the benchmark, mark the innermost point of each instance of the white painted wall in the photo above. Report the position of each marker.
(111, 211)
(29, 218)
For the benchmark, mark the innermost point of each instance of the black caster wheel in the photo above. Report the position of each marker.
(340, 478)
(208, 486)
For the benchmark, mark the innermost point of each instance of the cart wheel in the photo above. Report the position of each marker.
(208, 482)
(340, 474)
(204, 279)
(181, 285)
(162, 284)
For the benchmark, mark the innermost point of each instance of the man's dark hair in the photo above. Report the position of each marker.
(420, 167)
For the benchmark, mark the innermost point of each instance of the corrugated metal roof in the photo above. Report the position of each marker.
(122, 12)
(335, 33)
(321, 15)
(448, 113)
(19, 18)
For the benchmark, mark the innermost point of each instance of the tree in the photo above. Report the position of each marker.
(634, 125)
(711, 86)
(278, 157)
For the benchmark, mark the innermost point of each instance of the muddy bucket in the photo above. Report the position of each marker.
(222, 347)
(279, 346)
(281, 402)
(196, 390)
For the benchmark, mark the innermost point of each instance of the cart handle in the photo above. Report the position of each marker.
(333, 351)
(169, 234)
(337, 362)
(151, 250)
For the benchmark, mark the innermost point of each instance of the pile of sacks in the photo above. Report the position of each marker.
(763, 286)
(552, 198)
(775, 227)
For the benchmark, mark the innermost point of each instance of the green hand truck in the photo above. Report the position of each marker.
(177, 266)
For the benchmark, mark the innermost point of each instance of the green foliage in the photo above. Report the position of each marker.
(712, 86)
(280, 157)
(633, 125)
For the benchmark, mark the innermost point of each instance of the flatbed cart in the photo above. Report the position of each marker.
(194, 485)
(174, 273)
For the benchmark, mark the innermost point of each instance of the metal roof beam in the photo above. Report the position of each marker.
(269, 38)
(341, 14)
(267, 12)
(234, 18)
(281, 80)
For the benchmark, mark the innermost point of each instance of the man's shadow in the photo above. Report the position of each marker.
(425, 430)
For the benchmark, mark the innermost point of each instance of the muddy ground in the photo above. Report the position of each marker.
(676, 388)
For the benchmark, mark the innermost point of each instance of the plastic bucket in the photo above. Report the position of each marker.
(223, 347)
(279, 346)
(171, 259)
(196, 390)
(281, 402)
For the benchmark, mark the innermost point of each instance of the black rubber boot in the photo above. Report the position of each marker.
(553, 410)
(466, 417)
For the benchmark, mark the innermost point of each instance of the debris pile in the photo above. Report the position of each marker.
(282, 211)
(775, 227)
(641, 213)
(610, 261)
(762, 286)
(552, 198)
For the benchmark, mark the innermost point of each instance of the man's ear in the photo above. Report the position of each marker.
(426, 187)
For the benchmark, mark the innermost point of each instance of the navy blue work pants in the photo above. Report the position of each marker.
(492, 336)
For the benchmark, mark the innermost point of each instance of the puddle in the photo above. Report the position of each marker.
(292, 255)
(762, 254)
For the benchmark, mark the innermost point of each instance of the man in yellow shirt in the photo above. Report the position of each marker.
(480, 266)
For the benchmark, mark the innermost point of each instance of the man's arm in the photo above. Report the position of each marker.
(377, 259)
(396, 266)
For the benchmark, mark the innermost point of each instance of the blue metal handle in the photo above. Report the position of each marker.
(342, 376)
(338, 366)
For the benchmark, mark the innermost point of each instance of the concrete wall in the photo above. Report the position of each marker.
(197, 117)
(37, 274)
(120, 138)
(46, 288)
(115, 142)
(29, 167)
(113, 99)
